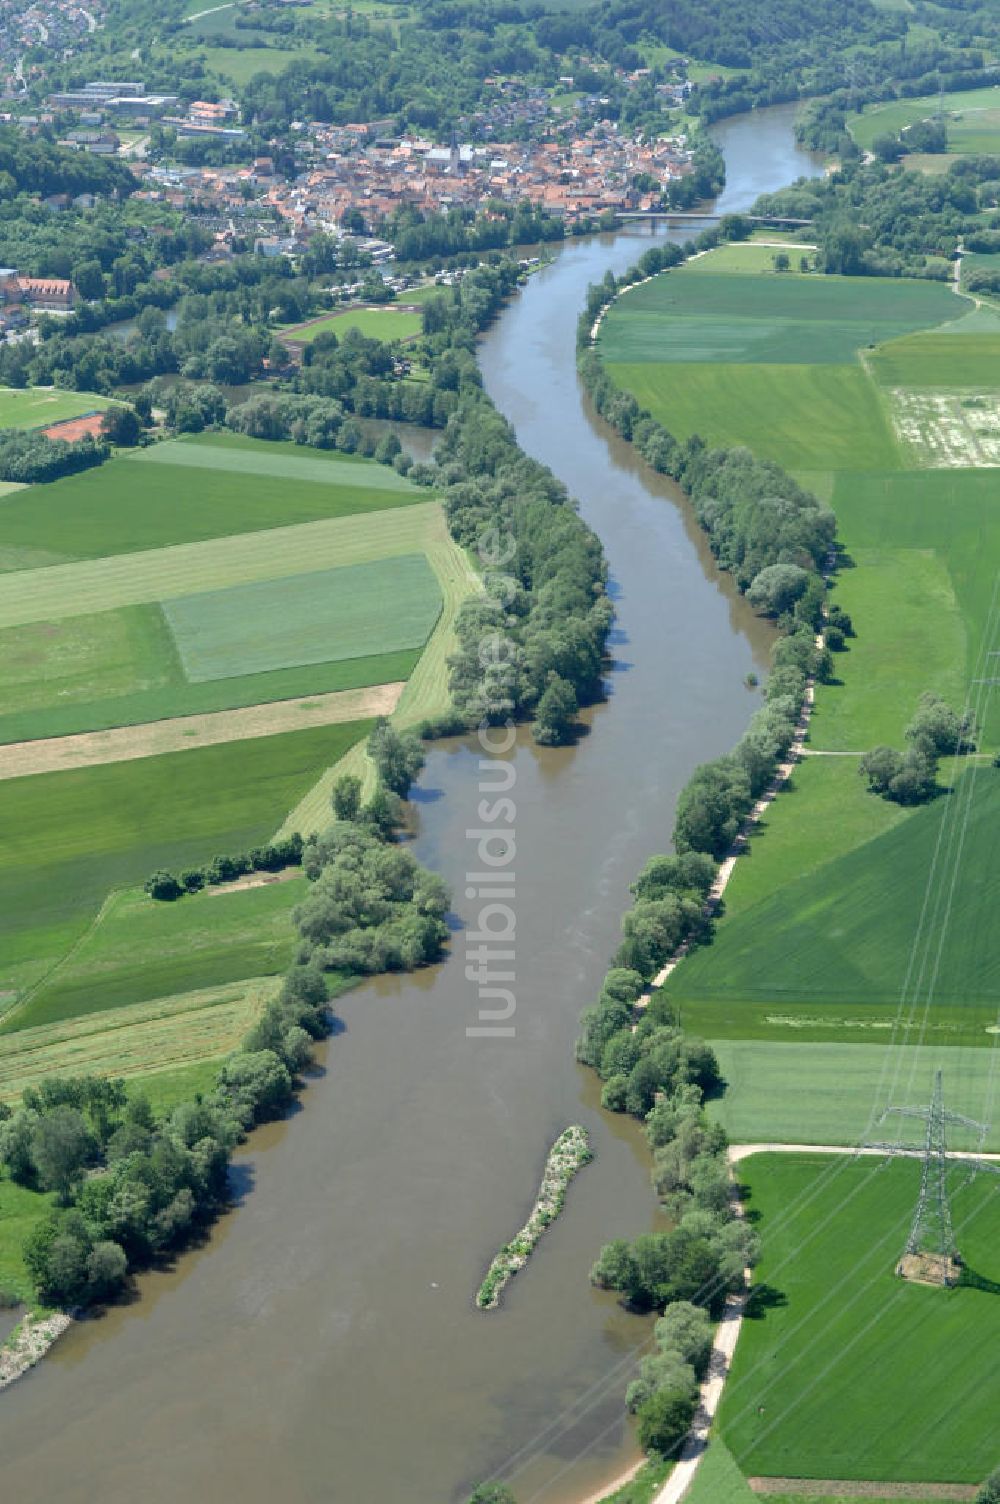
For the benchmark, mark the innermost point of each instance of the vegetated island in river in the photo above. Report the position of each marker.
(570, 1152)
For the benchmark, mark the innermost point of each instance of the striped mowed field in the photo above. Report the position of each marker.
(208, 574)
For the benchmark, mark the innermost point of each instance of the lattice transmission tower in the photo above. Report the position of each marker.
(931, 1251)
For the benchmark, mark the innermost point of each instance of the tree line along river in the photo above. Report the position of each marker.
(325, 1345)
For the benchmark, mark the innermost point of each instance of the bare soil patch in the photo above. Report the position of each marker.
(125, 743)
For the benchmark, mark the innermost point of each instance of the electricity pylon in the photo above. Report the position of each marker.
(931, 1231)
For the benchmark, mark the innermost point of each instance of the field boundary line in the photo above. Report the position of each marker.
(426, 691)
(67, 955)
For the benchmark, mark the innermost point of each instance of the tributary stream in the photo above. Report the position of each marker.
(324, 1345)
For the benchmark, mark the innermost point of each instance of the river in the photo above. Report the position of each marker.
(324, 1344)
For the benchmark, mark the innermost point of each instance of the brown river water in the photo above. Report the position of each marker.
(324, 1345)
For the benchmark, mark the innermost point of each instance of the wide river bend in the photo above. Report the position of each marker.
(324, 1345)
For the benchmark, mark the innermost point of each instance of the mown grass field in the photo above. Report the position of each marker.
(844, 1370)
(70, 838)
(37, 407)
(132, 1042)
(827, 1093)
(381, 607)
(182, 492)
(910, 910)
(695, 316)
(971, 117)
(386, 323)
(806, 417)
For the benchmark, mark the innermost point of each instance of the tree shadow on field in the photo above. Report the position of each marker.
(764, 1298)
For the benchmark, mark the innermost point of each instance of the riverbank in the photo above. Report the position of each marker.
(28, 1343)
(395, 1271)
(568, 1155)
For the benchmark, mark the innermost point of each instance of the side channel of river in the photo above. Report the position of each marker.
(324, 1345)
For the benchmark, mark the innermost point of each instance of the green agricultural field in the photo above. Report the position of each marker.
(140, 950)
(971, 118)
(824, 812)
(180, 492)
(330, 614)
(843, 1370)
(37, 407)
(812, 417)
(258, 457)
(66, 707)
(386, 323)
(689, 317)
(911, 638)
(70, 838)
(105, 584)
(168, 1034)
(952, 513)
(963, 357)
(718, 1479)
(908, 914)
(800, 1093)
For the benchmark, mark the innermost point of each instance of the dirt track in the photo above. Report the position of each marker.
(125, 743)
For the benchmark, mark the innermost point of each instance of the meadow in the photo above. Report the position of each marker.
(842, 1369)
(749, 258)
(696, 316)
(971, 118)
(37, 407)
(189, 490)
(386, 323)
(827, 1093)
(133, 1042)
(73, 837)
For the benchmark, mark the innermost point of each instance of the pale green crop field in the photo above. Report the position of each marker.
(806, 417)
(188, 568)
(327, 615)
(816, 1093)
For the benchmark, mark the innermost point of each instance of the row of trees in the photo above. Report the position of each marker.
(876, 219)
(226, 869)
(31, 457)
(910, 776)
